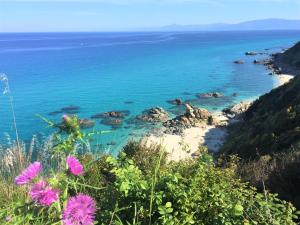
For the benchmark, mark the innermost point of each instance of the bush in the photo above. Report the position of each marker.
(138, 187)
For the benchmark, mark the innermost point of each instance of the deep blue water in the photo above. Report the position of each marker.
(101, 71)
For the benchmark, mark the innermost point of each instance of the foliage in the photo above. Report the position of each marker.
(271, 130)
(46, 196)
(144, 189)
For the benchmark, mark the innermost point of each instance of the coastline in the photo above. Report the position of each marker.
(187, 144)
(281, 79)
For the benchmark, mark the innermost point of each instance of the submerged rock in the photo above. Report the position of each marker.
(239, 62)
(111, 143)
(176, 101)
(111, 114)
(210, 95)
(128, 102)
(86, 123)
(187, 93)
(115, 123)
(54, 113)
(156, 114)
(70, 109)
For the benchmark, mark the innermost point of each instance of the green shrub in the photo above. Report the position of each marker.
(138, 187)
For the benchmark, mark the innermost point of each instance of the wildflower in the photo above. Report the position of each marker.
(74, 166)
(8, 218)
(65, 118)
(42, 194)
(29, 173)
(79, 210)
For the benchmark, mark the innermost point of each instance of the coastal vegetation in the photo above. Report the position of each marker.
(268, 138)
(136, 187)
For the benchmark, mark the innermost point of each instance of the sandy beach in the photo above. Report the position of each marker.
(180, 147)
(186, 145)
(282, 79)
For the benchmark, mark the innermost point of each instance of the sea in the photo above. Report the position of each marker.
(130, 71)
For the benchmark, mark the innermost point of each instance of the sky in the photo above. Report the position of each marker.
(113, 15)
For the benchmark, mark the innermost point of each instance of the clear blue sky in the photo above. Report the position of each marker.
(101, 15)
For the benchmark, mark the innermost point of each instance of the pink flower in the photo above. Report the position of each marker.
(74, 166)
(42, 194)
(80, 210)
(29, 173)
(65, 117)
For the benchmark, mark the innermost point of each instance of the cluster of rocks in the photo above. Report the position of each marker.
(236, 111)
(191, 118)
(112, 118)
(210, 95)
(112, 114)
(72, 109)
(86, 123)
(153, 115)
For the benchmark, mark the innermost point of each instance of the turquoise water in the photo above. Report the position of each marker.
(101, 71)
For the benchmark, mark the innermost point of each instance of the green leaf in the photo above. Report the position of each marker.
(168, 205)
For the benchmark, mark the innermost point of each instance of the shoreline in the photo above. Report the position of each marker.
(187, 145)
(281, 79)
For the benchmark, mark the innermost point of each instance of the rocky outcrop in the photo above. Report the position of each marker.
(156, 114)
(191, 118)
(237, 110)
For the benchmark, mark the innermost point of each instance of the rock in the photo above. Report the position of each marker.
(210, 95)
(156, 114)
(250, 53)
(115, 123)
(234, 94)
(111, 143)
(112, 114)
(239, 62)
(262, 62)
(54, 113)
(86, 123)
(237, 109)
(176, 101)
(128, 102)
(217, 95)
(191, 118)
(70, 109)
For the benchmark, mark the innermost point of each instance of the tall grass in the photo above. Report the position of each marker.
(6, 91)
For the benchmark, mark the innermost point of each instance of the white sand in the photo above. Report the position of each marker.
(282, 79)
(180, 147)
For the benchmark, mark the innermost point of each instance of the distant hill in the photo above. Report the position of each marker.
(265, 24)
